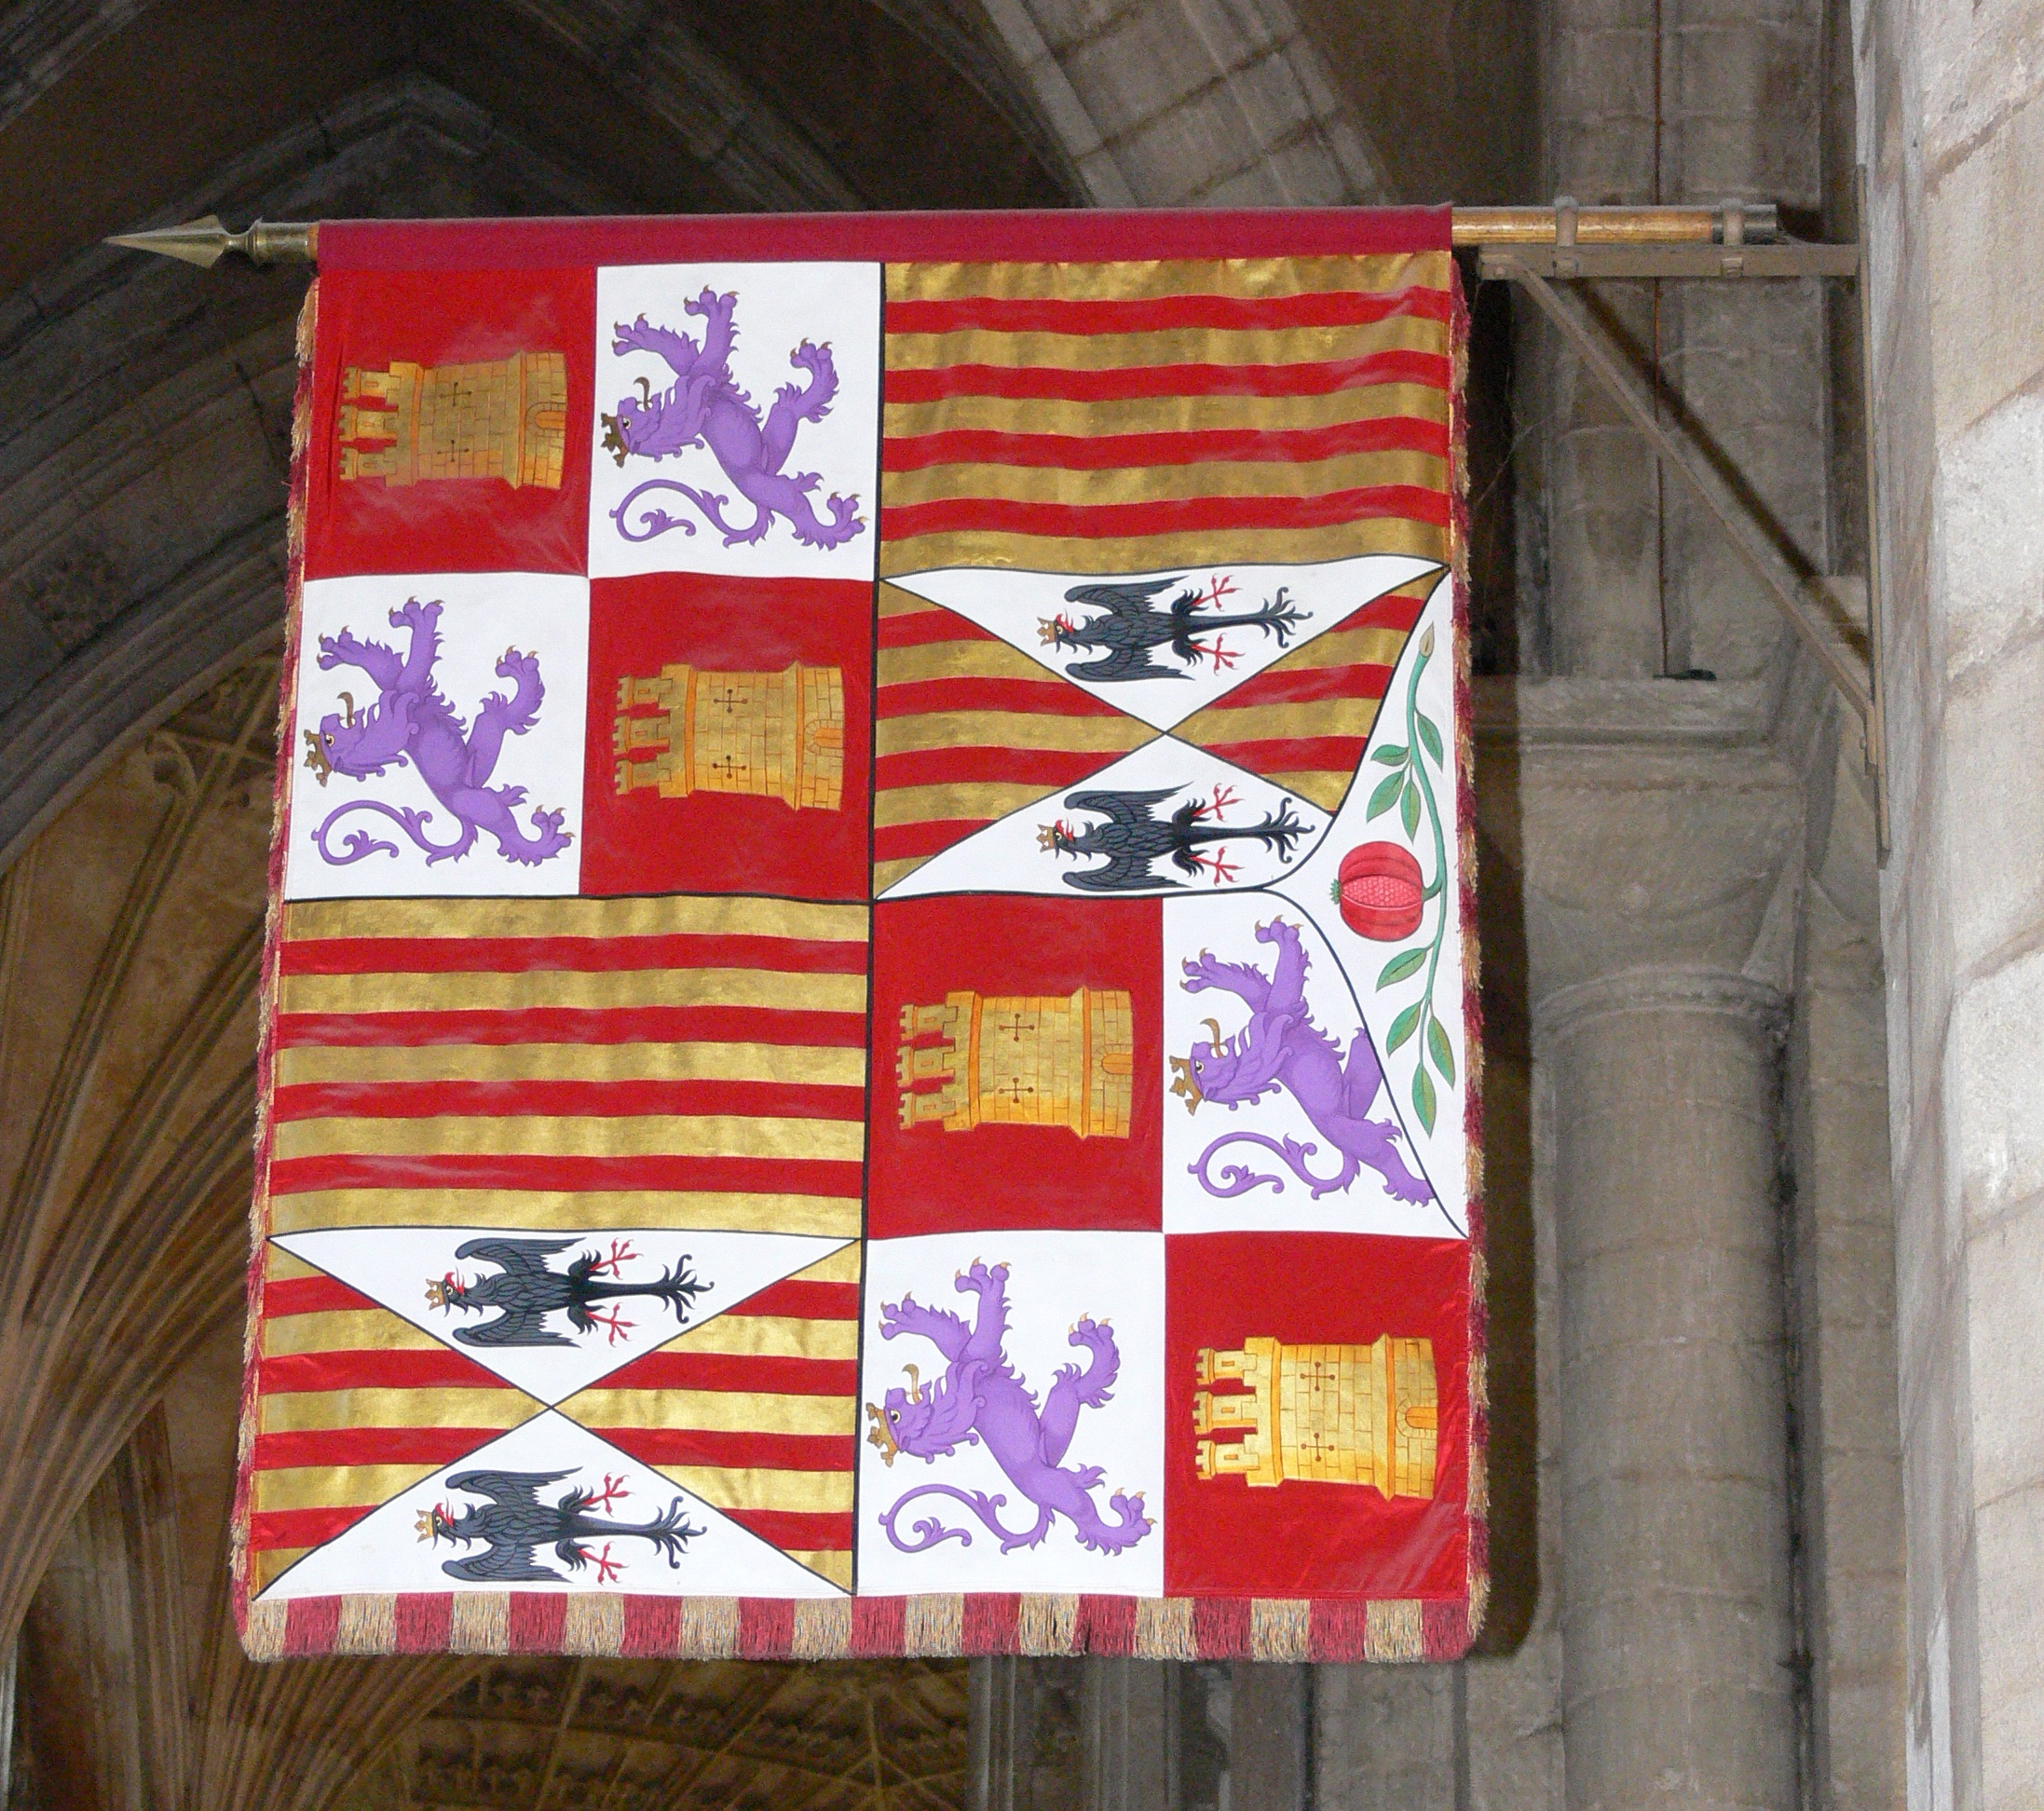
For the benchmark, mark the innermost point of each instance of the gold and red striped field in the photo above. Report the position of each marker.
(1128, 417)
(563, 1066)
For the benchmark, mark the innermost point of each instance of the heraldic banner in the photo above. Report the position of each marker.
(869, 1028)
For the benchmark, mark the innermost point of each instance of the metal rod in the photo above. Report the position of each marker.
(1762, 564)
(205, 241)
(1688, 225)
(1876, 718)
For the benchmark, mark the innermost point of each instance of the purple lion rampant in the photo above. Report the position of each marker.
(410, 721)
(980, 1398)
(704, 406)
(1280, 1048)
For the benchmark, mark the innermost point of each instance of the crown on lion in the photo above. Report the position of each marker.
(880, 1435)
(1186, 1085)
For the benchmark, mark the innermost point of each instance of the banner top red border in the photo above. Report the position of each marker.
(1074, 236)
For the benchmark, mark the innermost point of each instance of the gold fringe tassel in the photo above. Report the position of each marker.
(1164, 1629)
(367, 1624)
(1391, 1632)
(263, 1634)
(592, 1623)
(479, 1622)
(933, 1625)
(1280, 1627)
(1047, 1623)
(822, 1628)
(708, 1629)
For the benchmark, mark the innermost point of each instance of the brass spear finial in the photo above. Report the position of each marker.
(205, 242)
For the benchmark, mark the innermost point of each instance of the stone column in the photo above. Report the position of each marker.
(1677, 1630)
(1386, 1740)
(1602, 482)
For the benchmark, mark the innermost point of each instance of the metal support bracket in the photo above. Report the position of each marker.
(1804, 602)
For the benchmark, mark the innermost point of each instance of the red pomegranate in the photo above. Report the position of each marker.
(1382, 894)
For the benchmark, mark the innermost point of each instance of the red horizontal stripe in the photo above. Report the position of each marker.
(838, 1181)
(576, 1025)
(301, 1527)
(285, 1295)
(805, 1300)
(932, 767)
(1293, 754)
(1361, 680)
(920, 628)
(1104, 452)
(1183, 516)
(582, 955)
(725, 1370)
(1044, 697)
(420, 1367)
(1389, 612)
(694, 1446)
(369, 1446)
(567, 1099)
(1054, 382)
(901, 842)
(796, 1533)
(997, 314)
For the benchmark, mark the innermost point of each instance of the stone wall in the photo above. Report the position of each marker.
(1951, 108)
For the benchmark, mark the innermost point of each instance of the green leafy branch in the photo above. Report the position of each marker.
(1411, 788)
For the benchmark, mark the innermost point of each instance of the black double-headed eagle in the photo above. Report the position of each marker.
(1133, 837)
(1135, 623)
(514, 1525)
(524, 1290)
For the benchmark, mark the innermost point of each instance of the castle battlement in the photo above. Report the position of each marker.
(765, 735)
(1334, 1414)
(1020, 1060)
(410, 423)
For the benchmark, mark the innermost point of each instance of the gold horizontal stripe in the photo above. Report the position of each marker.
(594, 1211)
(1146, 278)
(896, 602)
(945, 804)
(266, 1567)
(1012, 729)
(714, 1412)
(885, 874)
(307, 1411)
(344, 1329)
(1154, 553)
(334, 1487)
(1173, 345)
(725, 915)
(1316, 716)
(1163, 414)
(279, 1265)
(842, 1266)
(1323, 788)
(957, 660)
(740, 1335)
(737, 1486)
(1346, 648)
(544, 1062)
(569, 987)
(519, 1135)
(836, 1566)
(1162, 483)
